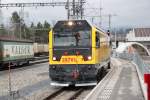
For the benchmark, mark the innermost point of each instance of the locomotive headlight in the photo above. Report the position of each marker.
(89, 57)
(54, 58)
(70, 23)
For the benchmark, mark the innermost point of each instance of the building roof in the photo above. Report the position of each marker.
(142, 32)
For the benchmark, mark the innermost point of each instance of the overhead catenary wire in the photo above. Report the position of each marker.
(74, 8)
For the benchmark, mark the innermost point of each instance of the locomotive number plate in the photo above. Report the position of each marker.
(69, 60)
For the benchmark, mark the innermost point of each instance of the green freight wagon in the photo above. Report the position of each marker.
(15, 52)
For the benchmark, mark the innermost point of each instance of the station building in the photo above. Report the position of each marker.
(140, 35)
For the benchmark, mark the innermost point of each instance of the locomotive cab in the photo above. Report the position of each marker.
(73, 59)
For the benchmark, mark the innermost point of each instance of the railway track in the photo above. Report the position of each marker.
(72, 93)
(40, 57)
(68, 93)
(37, 60)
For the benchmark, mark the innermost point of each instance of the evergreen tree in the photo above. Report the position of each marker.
(38, 32)
(15, 18)
(47, 28)
(32, 31)
(17, 24)
(46, 25)
(32, 25)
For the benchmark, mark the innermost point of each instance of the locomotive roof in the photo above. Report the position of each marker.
(65, 24)
(88, 22)
(75, 20)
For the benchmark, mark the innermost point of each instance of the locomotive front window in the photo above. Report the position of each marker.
(72, 38)
(72, 33)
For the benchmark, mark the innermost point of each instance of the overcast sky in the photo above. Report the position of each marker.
(133, 13)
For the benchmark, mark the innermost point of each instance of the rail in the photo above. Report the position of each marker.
(68, 93)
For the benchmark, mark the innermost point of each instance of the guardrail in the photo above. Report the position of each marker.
(143, 70)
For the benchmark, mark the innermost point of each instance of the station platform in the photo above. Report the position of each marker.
(121, 83)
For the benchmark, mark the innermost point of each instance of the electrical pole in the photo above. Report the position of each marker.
(76, 10)
(0, 15)
(115, 38)
(109, 26)
(67, 7)
(81, 8)
(109, 20)
(21, 21)
(100, 24)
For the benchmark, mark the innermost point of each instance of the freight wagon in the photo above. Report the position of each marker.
(15, 52)
(40, 49)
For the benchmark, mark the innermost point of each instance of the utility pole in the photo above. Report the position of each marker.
(100, 24)
(115, 38)
(92, 20)
(109, 20)
(68, 9)
(76, 10)
(0, 15)
(21, 21)
(81, 8)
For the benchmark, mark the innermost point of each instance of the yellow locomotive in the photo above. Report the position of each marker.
(78, 53)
